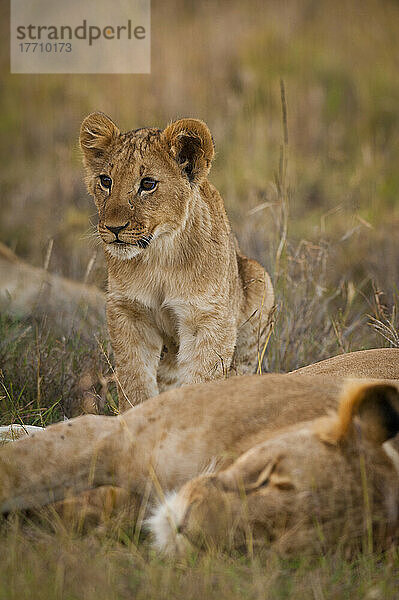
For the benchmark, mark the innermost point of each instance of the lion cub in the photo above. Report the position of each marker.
(183, 305)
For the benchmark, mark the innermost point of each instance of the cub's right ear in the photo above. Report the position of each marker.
(97, 133)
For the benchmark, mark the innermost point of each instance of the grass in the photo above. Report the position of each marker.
(47, 559)
(61, 564)
(312, 195)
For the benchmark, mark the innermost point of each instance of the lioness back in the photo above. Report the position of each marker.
(184, 305)
(378, 363)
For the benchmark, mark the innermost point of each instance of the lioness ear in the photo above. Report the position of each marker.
(375, 405)
(97, 133)
(190, 143)
(253, 470)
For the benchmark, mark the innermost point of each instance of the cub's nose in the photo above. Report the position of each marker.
(116, 230)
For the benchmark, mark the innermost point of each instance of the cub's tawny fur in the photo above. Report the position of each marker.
(184, 305)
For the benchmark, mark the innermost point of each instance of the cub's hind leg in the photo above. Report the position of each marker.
(256, 318)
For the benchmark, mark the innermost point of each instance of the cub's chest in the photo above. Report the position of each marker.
(166, 320)
(162, 311)
(166, 302)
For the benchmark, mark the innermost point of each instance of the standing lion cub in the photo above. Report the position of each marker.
(184, 305)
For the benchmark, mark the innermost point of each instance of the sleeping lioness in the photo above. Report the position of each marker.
(169, 439)
(184, 304)
(315, 484)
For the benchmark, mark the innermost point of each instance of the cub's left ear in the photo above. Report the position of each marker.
(376, 408)
(190, 143)
(97, 133)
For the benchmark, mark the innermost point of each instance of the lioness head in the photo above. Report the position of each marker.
(317, 484)
(143, 181)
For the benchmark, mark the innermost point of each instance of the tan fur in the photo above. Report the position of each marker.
(357, 398)
(184, 305)
(381, 363)
(313, 485)
(164, 442)
(179, 433)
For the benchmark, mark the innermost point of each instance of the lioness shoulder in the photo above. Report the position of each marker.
(184, 304)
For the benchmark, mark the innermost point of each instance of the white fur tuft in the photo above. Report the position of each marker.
(15, 431)
(123, 252)
(164, 524)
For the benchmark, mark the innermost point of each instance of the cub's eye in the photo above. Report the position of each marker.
(148, 184)
(105, 182)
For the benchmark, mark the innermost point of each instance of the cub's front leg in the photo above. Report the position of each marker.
(207, 342)
(137, 345)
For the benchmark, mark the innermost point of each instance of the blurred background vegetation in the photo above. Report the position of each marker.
(321, 213)
(222, 62)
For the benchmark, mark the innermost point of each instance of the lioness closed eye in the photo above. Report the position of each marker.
(326, 481)
(184, 305)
